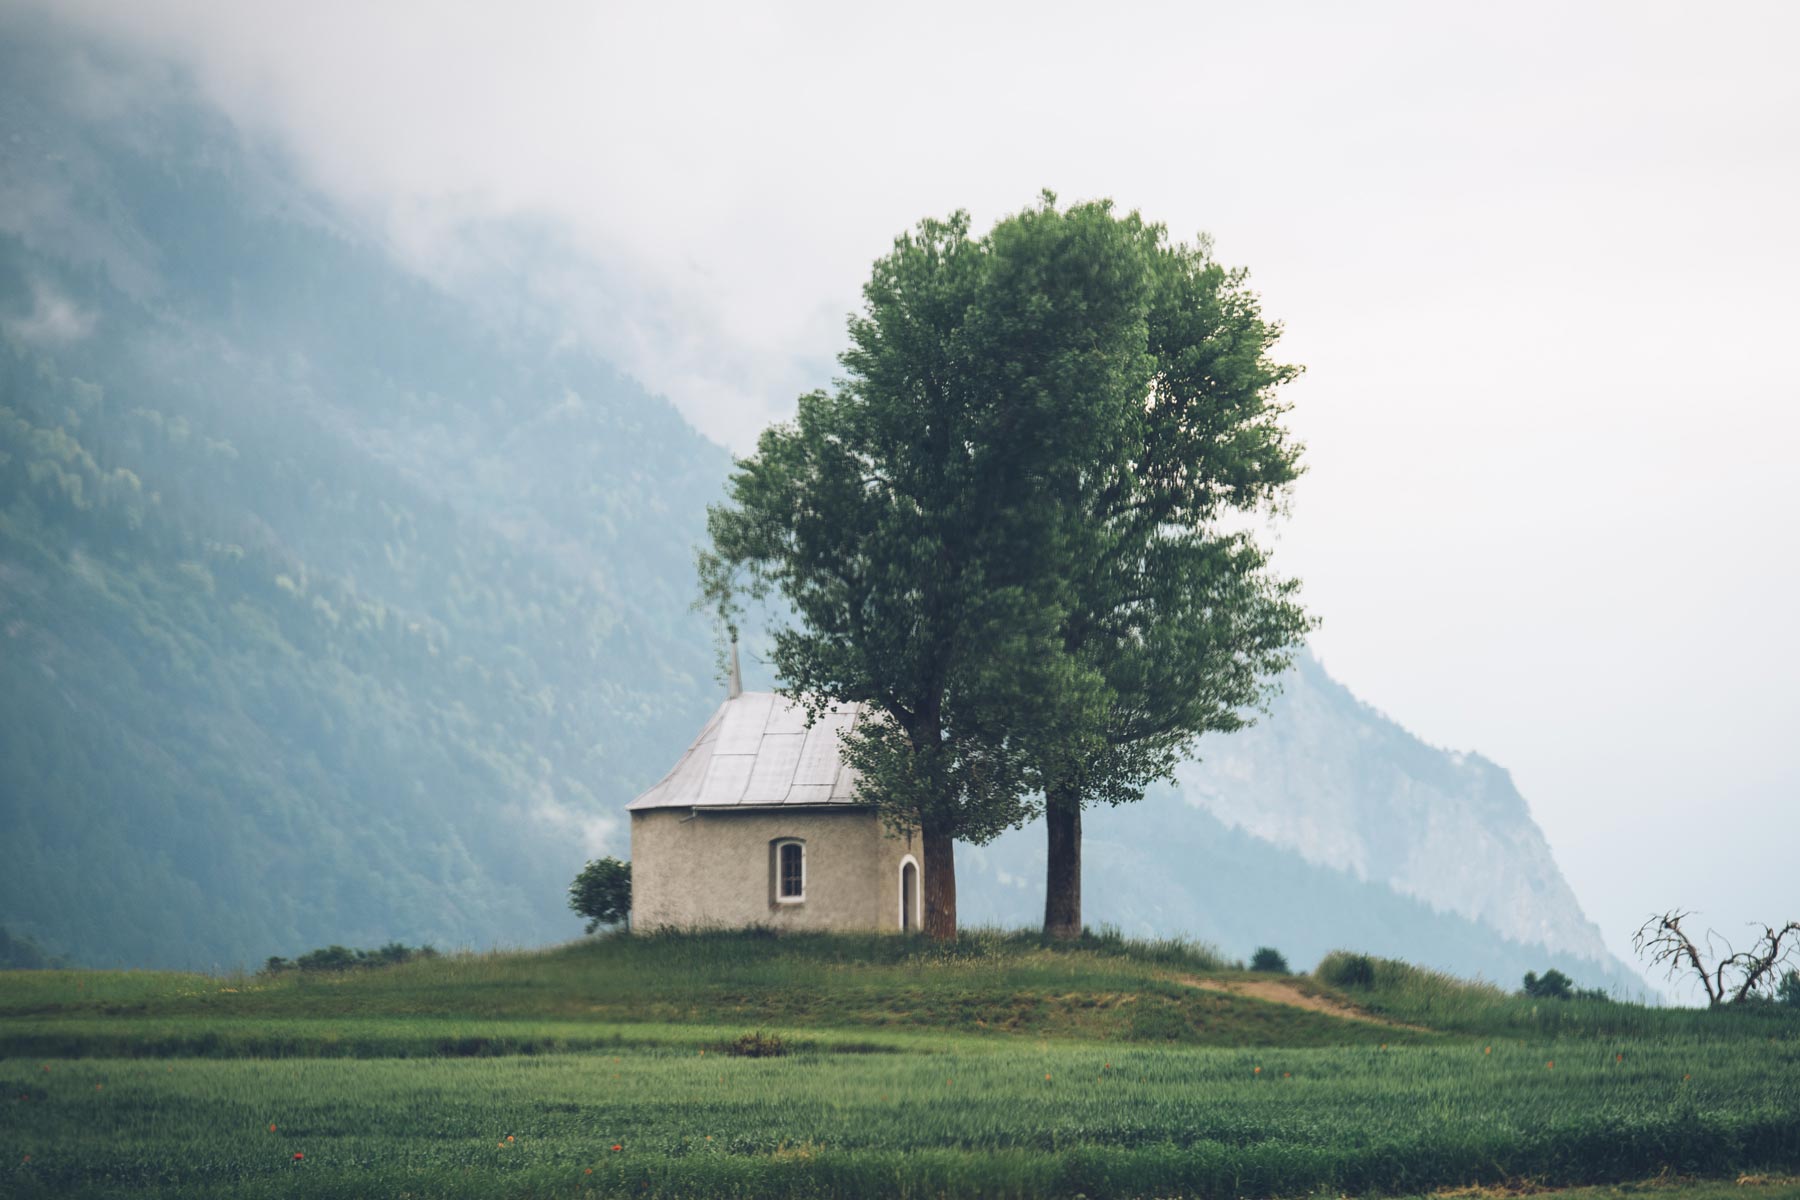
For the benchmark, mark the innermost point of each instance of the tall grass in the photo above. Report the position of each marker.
(986, 980)
(973, 947)
(998, 1066)
(1413, 994)
(1007, 1119)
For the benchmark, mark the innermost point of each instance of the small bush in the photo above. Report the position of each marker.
(1347, 970)
(1788, 990)
(756, 1045)
(1267, 958)
(343, 958)
(602, 893)
(1552, 985)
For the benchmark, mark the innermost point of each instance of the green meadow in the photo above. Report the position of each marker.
(997, 1067)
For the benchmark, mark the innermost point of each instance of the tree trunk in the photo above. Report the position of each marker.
(1062, 878)
(940, 885)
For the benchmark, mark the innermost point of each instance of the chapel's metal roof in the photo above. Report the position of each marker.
(756, 752)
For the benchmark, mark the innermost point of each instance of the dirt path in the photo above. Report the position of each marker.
(1277, 992)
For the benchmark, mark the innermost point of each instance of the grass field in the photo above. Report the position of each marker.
(997, 1068)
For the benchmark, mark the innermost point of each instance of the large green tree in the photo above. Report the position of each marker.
(1177, 612)
(924, 519)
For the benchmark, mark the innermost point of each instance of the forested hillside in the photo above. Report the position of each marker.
(330, 612)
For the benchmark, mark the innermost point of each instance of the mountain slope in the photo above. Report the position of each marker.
(1323, 826)
(1161, 868)
(330, 612)
(1334, 780)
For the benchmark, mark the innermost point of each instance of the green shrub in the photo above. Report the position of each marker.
(1267, 958)
(1552, 985)
(602, 893)
(756, 1045)
(1788, 990)
(1347, 970)
(343, 958)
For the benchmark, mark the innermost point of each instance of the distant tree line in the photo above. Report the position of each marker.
(342, 958)
(1554, 985)
(21, 952)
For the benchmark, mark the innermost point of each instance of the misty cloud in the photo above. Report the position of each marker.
(595, 831)
(53, 318)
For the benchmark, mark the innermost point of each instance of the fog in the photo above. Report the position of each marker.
(1537, 260)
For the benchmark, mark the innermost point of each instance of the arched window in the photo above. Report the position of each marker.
(790, 871)
(911, 902)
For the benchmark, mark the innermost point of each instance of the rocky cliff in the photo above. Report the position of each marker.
(1325, 825)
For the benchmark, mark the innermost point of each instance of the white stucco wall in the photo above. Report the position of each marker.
(698, 868)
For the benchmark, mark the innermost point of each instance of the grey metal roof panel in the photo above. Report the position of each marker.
(681, 786)
(820, 761)
(758, 751)
(726, 776)
(786, 718)
(810, 793)
(843, 788)
(772, 776)
(745, 717)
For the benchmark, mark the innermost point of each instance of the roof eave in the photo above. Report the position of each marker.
(719, 808)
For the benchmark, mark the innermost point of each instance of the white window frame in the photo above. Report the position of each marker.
(780, 845)
(918, 921)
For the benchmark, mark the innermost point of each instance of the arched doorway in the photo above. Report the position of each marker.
(909, 896)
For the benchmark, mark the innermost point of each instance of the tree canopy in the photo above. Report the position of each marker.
(1004, 529)
(1177, 611)
(918, 520)
(602, 893)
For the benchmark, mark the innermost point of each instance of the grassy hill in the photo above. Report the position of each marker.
(594, 992)
(997, 1067)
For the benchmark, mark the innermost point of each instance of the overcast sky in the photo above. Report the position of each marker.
(1540, 261)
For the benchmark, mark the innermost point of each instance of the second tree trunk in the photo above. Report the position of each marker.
(1062, 879)
(940, 885)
